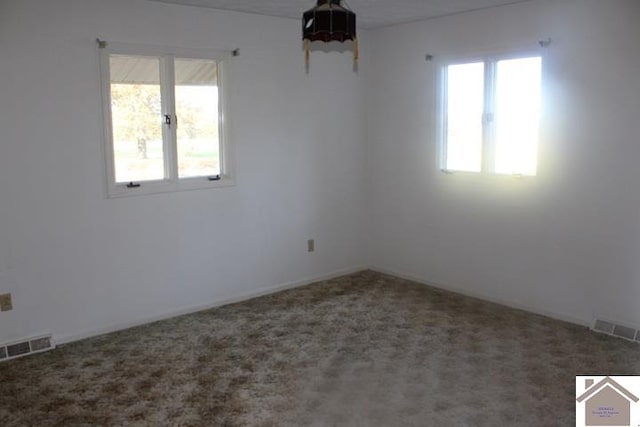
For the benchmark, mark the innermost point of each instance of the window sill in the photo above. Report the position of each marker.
(165, 186)
(515, 176)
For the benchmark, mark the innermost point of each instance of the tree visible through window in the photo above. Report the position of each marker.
(164, 120)
(136, 115)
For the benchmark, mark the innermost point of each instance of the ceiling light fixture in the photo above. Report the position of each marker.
(329, 21)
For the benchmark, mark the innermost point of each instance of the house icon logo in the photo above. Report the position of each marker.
(606, 402)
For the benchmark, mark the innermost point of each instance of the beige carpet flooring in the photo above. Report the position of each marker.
(363, 350)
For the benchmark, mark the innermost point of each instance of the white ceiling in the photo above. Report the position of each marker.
(370, 13)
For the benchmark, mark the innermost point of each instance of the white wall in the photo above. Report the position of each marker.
(565, 243)
(77, 262)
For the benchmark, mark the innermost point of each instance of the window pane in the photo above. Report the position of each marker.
(136, 108)
(197, 111)
(517, 115)
(465, 107)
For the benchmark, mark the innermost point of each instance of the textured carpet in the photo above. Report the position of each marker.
(362, 350)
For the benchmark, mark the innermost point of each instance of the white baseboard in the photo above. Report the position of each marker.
(65, 339)
(485, 297)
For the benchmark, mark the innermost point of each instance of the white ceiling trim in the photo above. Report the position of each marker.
(371, 13)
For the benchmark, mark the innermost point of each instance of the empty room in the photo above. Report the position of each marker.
(319, 213)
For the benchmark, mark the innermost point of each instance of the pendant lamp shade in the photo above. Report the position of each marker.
(329, 21)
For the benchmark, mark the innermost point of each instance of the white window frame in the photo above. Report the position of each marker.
(172, 182)
(490, 61)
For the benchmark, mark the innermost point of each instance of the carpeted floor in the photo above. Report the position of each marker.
(362, 350)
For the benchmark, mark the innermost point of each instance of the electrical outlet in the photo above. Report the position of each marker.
(5, 302)
(311, 245)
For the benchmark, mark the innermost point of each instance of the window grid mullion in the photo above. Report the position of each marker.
(444, 125)
(169, 137)
(489, 118)
(221, 118)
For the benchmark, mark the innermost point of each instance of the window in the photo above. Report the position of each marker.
(490, 115)
(163, 120)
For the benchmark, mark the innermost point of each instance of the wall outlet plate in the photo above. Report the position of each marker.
(311, 245)
(6, 304)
